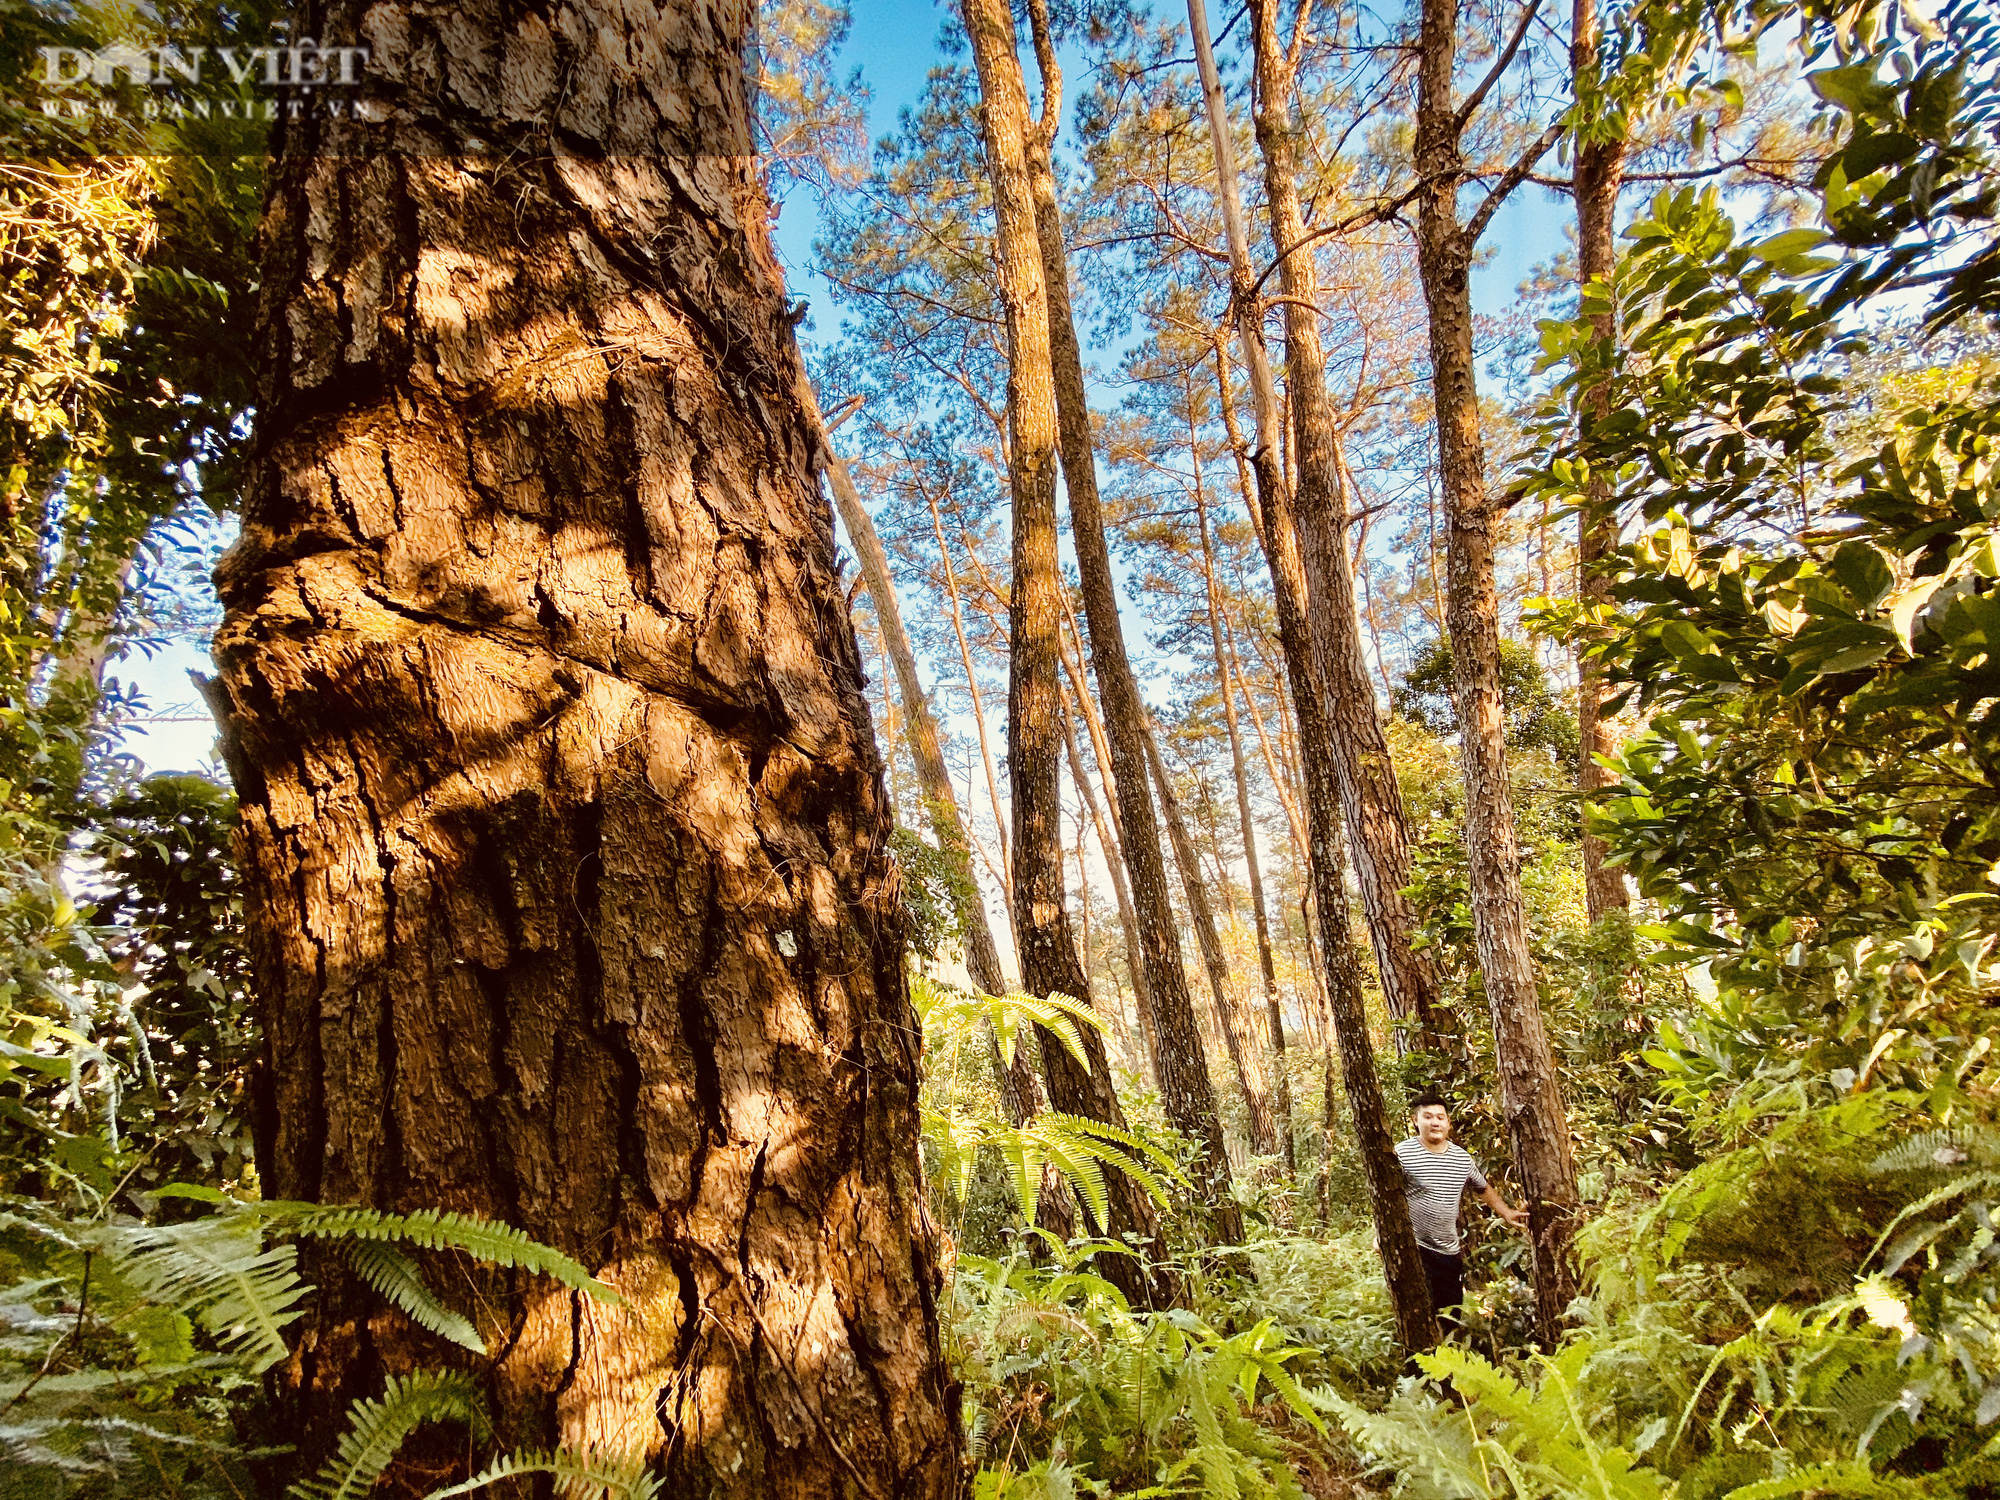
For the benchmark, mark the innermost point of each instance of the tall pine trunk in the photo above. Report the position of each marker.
(563, 828)
(920, 729)
(1377, 828)
(1185, 1087)
(1530, 1095)
(1266, 965)
(1598, 173)
(1239, 1033)
(1416, 1322)
(1043, 937)
(1020, 1090)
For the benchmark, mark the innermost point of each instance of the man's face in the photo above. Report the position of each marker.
(1433, 1124)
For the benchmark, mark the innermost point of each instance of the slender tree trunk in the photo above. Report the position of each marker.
(1127, 921)
(1530, 1095)
(563, 830)
(1185, 1087)
(1042, 934)
(1372, 801)
(1247, 487)
(1020, 1091)
(1266, 965)
(982, 954)
(1416, 1323)
(1598, 174)
(1274, 761)
(1363, 571)
(972, 692)
(1238, 1034)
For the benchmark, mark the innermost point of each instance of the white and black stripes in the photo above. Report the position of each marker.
(1435, 1181)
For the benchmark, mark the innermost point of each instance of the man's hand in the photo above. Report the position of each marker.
(1516, 1218)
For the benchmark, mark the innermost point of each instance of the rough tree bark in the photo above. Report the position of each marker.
(1185, 1087)
(563, 829)
(1598, 173)
(1530, 1095)
(1043, 938)
(1416, 1323)
(1378, 831)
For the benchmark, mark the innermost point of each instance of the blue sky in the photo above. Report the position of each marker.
(894, 43)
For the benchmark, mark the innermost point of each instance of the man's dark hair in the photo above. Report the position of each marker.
(1430, 1096)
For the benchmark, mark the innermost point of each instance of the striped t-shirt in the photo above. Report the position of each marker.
(1435, 1181)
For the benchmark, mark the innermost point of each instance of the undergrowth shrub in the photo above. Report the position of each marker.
(1069, 1391)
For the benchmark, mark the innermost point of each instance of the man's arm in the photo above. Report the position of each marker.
(1518, 1217)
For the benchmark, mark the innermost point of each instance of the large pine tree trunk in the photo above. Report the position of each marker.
(563, 828)
(1185, 1087)
(1043, 937)
(1378, 831)
(1416, 1323)
(1530, 1094)
(1597, 175)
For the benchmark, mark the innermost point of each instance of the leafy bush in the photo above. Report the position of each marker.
(1068, 1389)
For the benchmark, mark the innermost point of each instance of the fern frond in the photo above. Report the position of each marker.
(55, 1389)
(1128, 1151)
(434, 1229)
(1958, 1187)
(1848, 1477)
(1023, 1155)
(1062, 1017)
(378, 1426)
(393, 1275)
(1942, 1151)
(577, 1477)
(42, 1230)
(1077, 1158)
(217, 1271)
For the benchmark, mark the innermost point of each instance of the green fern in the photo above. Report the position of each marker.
(393, 1275)
(1064, 1018)
(429, 1229)
(1849, 1477)
(1942, 1151)
(378, 1427)
(219, 1271)
(433, 1229)
(580, 1477)
(1080, 1149)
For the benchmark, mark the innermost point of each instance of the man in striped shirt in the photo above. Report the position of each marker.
(1435, 1176)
